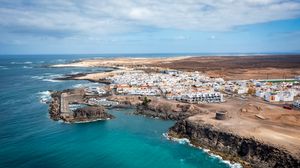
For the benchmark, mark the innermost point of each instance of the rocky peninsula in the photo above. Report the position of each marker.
(59, 108)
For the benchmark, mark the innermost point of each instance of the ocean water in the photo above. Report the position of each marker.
(28, 138)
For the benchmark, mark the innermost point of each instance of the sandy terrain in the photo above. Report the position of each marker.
(97, 76)
(250, 117)
(255, 73)
(276, 125)
(243, 67)
(229, 67)
(119, 62)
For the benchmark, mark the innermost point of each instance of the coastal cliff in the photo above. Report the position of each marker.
(249, 151)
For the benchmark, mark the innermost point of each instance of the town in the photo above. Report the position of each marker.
(196, 87)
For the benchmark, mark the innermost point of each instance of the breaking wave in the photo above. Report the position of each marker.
(51, 80)
(48, 77)
(27, 67)
(3, 67)
(187, 141)
(26, 62)
(45, 96)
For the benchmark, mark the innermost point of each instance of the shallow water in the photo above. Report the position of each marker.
(28, 138)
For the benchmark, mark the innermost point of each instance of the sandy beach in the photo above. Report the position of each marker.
(119, 62)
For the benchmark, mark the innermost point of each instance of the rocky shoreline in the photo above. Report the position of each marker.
(83, 114)
(76, 76)
(245, 150)
(248, 151)
(91, 113)
(165, 111)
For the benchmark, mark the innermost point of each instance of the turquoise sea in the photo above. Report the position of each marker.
(28, 138)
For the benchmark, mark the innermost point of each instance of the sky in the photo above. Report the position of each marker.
(149, 26)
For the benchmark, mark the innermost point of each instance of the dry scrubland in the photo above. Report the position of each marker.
(227, 67)
(252, 117)
(241, 67)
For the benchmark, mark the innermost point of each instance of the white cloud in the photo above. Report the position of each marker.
(116, 16)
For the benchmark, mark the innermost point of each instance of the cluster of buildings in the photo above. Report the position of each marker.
(94, 90)
(279, 91)
(236, 87)
(145, 90)
(192, 87)
(102, 102)
(276, 92)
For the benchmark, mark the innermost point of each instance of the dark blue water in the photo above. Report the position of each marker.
(28, 138)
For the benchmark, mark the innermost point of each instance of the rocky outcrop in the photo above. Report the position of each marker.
(76, 76)
(90, 113)
(246, 150)
(167, 111)
(54, 106)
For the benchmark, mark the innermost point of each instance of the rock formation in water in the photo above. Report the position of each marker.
(234, 147)
(57, 111)
(91, 113)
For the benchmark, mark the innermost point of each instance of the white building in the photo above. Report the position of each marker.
(242, 90)
(260, 93)
(102, 102)
(287, 96)
(271, 97)
(95, 90)
(296, 104)
(215, 97)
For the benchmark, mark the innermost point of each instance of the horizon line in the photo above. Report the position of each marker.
(168, 53)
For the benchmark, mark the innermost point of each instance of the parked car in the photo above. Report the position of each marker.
(288, 106)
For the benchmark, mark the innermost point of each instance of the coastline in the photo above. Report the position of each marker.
(248, 151)
(232, 163)
(178, 130)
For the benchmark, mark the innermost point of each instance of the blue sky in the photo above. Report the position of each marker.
(149, 26)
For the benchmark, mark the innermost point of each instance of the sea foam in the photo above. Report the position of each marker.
(51, 80)
(48, 77)
(45, 96)
(26, 62)
(3, 67)
(187, 141)
(27, 67)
